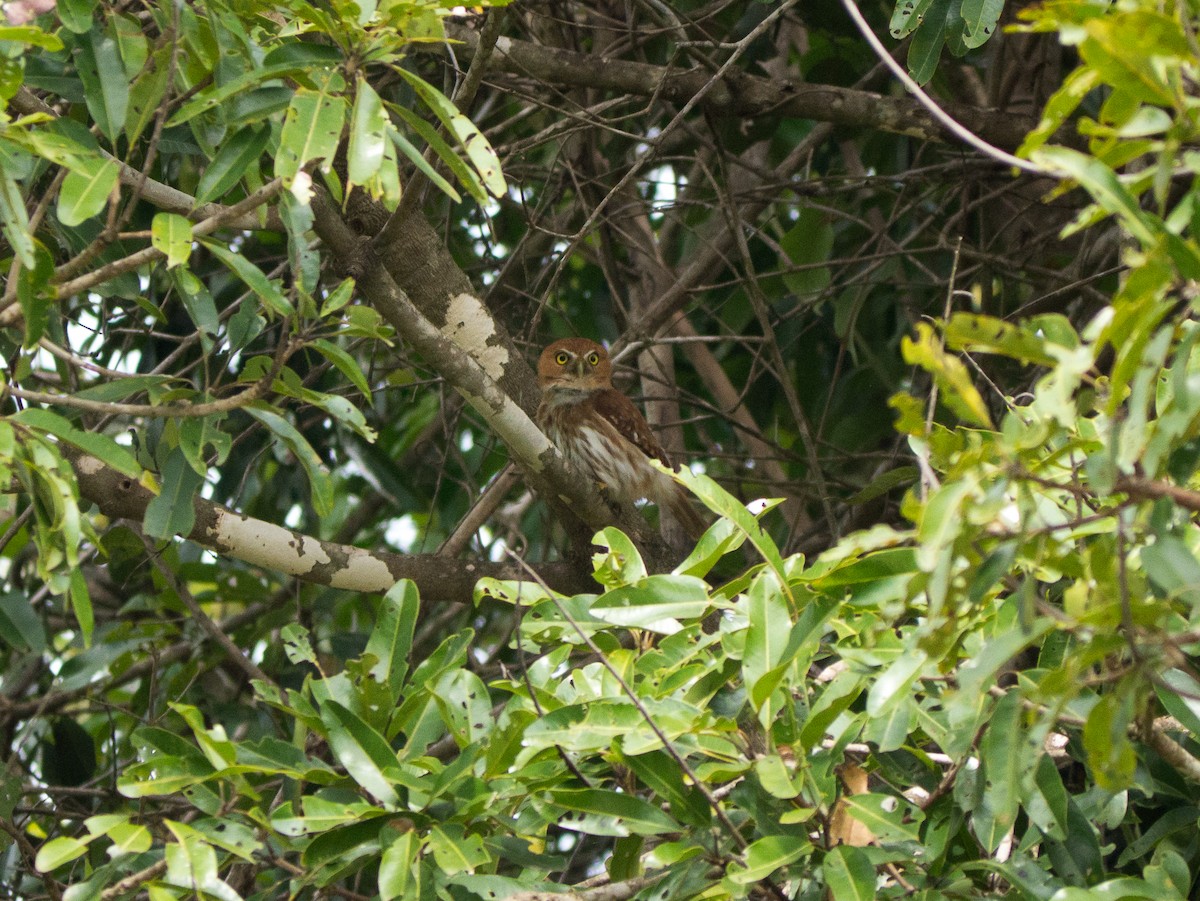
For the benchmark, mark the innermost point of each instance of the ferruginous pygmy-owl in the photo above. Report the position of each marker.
(603, 436)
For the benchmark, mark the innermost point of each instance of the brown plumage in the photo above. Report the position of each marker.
(604, 436)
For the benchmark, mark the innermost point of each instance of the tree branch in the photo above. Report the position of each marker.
(165, 197)
(304, 557)
(1150, 489)
(743, 95)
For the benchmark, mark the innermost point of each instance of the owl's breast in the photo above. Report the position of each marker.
(595, 449)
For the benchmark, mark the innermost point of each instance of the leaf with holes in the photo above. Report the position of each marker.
(171, 235)
(598, 812)
(481, 154)
(311, 130)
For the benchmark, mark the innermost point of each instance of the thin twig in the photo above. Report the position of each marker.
(232, 651)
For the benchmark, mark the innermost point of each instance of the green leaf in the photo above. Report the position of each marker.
(1106, 741)
(980, 18)
(258, 105)
(895, 681)
(14, 218)
(906, 16)
(297, 646)
(1137, 52)
(318, 475)
(20, 626)
(768, 854)
(342, 845)
(1106, 189)
(622, 563)
(54, 853)
(146, 95)
(598, 812)
(483, 158)
(808, 243)
(12, 76)
(343, 411)
(199, 303)
(395, 867)
(325, 812)
(1173, 568)
(655, 603)
(954, 382)
(776, 778)
(661, 774)
(171, 235)
(418, 159)
(171, 512)
(235, 87)
(849, 875)
(83, 196)
(925, 48)
(233, 162)
(465, 705)
(1176, 821)
(243, 327)
(311, 130)
(767, 636)
(391, 639)
(455, 851)
(344, 363)
(1179, 693)
(368, 135)
(720, 539)
(890, 819)
(218, 750)
(31, 35)
(1024, 341)
(99, 446)
(338, 297)
(364, 753)
(129, 838)
(1059, 107)
(591, 727)
(725, 504)
(1047, 804)
(81, 605)
(494, 888)
(122, 389)
(466, 176)
(256, 280)
(76, 15)
(192, 865)
(102, 71)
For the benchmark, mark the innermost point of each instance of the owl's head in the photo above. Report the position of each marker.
(575, 363)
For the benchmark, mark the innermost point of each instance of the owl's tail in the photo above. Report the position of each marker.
(679, 521)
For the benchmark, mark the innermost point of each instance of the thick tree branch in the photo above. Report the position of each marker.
(743, 95)
(1171, 751)
(304, 557)
(1150, 489)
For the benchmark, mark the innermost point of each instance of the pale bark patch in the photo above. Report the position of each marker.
(470, 326)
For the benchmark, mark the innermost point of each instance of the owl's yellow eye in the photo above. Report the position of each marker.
(562, 358)
(593, 358)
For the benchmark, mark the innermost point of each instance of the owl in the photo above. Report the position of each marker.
(603, 436)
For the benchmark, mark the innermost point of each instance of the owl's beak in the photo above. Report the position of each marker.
(580, 364)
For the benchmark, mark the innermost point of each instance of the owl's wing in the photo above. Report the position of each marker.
(620, 411)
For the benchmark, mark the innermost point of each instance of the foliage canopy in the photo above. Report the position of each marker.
(274, 271)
